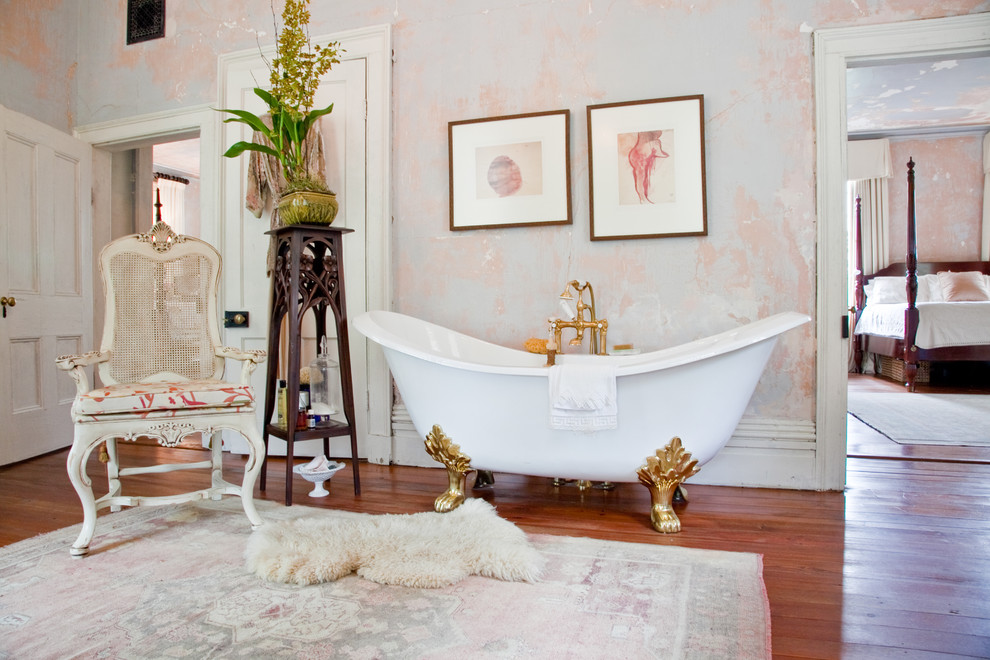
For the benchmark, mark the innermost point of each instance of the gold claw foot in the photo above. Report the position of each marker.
(441, 449)
(662, 475)
(449, 501)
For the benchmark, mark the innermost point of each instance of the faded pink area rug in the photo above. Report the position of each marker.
(172, 582)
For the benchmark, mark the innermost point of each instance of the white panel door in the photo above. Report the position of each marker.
(245, 245)
(46, 243)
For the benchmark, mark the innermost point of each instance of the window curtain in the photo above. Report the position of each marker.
(173, 197)
(985, 250)
(869, 171)
(874, 223)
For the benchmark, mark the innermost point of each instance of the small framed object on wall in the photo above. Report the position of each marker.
(145, 20)
(510, 171)
(646, 167)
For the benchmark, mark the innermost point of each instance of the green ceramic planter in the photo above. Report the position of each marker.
(307, 207)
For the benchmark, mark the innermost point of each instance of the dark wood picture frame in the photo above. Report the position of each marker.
(646, 168)
(510, 171)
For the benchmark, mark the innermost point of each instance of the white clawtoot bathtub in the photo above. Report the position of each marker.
(486, 407)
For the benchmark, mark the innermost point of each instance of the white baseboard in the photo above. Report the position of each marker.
(765, 453)
(408, 447)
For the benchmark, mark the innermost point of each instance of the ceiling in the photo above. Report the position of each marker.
(919, 97)
(181, 156)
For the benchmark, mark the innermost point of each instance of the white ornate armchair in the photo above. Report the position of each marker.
(161, 364)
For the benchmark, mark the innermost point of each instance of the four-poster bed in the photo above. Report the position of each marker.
(931, 311)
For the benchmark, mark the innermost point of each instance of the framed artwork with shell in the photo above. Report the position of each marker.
(511, 171)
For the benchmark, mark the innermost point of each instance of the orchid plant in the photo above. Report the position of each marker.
(295, 75)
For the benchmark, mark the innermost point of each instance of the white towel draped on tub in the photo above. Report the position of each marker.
(582, 397)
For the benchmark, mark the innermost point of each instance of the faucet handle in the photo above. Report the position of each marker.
(553, 344)
(569, 311)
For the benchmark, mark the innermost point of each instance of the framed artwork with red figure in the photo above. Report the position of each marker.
(646, 168)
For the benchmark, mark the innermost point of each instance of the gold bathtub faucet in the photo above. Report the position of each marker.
(585, 318)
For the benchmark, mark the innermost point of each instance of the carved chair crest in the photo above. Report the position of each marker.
(161, 237)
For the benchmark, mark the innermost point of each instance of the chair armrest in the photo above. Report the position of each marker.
(237, 354)
(76, 364)
(251, 359)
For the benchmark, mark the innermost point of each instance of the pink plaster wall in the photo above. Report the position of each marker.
(462, 59)
(948, 197)
(38, 59)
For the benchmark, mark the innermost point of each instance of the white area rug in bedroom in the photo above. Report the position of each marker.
(925, 419)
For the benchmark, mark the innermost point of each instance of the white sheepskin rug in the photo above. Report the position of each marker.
(415, 550)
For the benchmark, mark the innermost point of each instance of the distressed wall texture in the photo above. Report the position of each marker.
(948, 183)
(66, 63)
(39, 59)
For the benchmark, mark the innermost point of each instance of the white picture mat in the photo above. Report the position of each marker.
(683, 215)
(471, 208)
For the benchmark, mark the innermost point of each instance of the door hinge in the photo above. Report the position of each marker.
(845, 326)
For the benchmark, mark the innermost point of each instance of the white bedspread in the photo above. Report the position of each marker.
(940, 324)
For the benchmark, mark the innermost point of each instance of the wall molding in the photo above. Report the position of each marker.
(141, 130)
(766, 432)
(407, 447)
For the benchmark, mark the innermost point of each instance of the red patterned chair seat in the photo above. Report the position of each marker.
(160, 399)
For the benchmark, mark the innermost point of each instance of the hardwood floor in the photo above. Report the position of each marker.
(895, 566)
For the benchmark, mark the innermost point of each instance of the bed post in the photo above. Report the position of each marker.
(859, 297)
(911, 313)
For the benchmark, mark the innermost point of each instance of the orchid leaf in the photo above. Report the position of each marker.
(267, 97)
(313, 115)
(249, 118)
(238, 148)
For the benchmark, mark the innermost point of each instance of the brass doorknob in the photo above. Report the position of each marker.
(7, 301)
(235, 319)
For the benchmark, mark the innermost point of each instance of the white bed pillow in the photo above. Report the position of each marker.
(894, 289)
(882, 290)
(929, 289)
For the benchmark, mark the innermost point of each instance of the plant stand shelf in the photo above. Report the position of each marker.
(308, 275)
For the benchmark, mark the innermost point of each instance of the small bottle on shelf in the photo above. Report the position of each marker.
(324, 383)
(303, 407)
(281, 396)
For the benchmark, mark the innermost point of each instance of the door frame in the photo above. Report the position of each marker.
(374, 44)
(139, 131)
(835, 49)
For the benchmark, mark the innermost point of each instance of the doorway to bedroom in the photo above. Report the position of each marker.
(926, 111)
